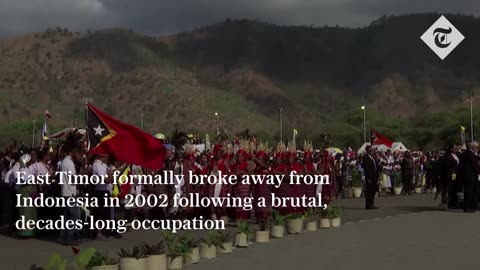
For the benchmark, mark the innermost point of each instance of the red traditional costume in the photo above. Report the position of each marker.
(217, 165)
(262, 190)
(295, 190)
(325, 168)
(309, 169)
(282, 169)
(241, 190)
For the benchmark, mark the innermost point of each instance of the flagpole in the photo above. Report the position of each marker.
(471, 116)
(141, 121)
(86, 101)
(216, 119)
(364, 125)
(86, 115)
(45, 128)
(281, 124)
(33, 134)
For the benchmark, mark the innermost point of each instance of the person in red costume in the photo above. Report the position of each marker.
(296, 190)
(188, 168)
(262, 190)
(280, 168)
(309, 169)
(325, 167)
(229, 154)
(218, 165)
(202, 168)
(241, 190)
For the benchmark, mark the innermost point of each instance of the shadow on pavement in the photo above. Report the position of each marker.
(418, 209)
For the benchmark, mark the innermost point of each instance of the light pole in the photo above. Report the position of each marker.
(471, 116)
(33, 134)
(364, 125)
(216, 119)
(281, 124)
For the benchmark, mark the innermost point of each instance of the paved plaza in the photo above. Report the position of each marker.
(404, 233)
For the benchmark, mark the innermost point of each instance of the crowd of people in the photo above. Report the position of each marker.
(448, 173)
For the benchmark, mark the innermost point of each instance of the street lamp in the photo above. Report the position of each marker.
(216, 118)
(281, 124)
(471, 116)
(33, 134)
(364, 125)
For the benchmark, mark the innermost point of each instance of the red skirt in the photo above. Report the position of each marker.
(242, 191)
(262, 191)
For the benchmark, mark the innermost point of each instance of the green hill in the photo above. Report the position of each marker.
(246, 71)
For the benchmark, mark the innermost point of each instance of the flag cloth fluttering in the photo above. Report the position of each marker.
(44, 129)
(107, 135)
(122, 188)
(377, 138)
(295, 133)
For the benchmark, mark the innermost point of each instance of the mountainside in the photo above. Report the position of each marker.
(246, 71)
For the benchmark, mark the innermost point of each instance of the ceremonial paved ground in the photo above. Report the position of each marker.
(405, 233)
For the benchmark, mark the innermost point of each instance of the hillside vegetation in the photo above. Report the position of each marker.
(246, 71)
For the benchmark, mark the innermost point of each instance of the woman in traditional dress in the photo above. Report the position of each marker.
(309, 169)
(202, 169)
(294, 190)
(189, 168)
(262, 190)
(280, 168)
(218, 165)
(326, 168)
(241, 190)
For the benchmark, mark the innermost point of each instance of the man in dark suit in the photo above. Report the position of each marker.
(408, 168)
(468, 171)
(371, 170)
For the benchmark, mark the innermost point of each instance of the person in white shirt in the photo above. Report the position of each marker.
(11, 174)
(69, 237)
(30, 213)
(7, 194)
(42, 168)
(103, 191)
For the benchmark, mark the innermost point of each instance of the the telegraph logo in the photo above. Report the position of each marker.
(442, 37)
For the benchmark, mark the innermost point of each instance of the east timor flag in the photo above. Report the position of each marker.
(107, 135)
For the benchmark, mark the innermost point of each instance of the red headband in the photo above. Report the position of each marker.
(261, 154)
(243, 153)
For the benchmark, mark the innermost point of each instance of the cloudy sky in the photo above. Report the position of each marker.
(159, 17)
